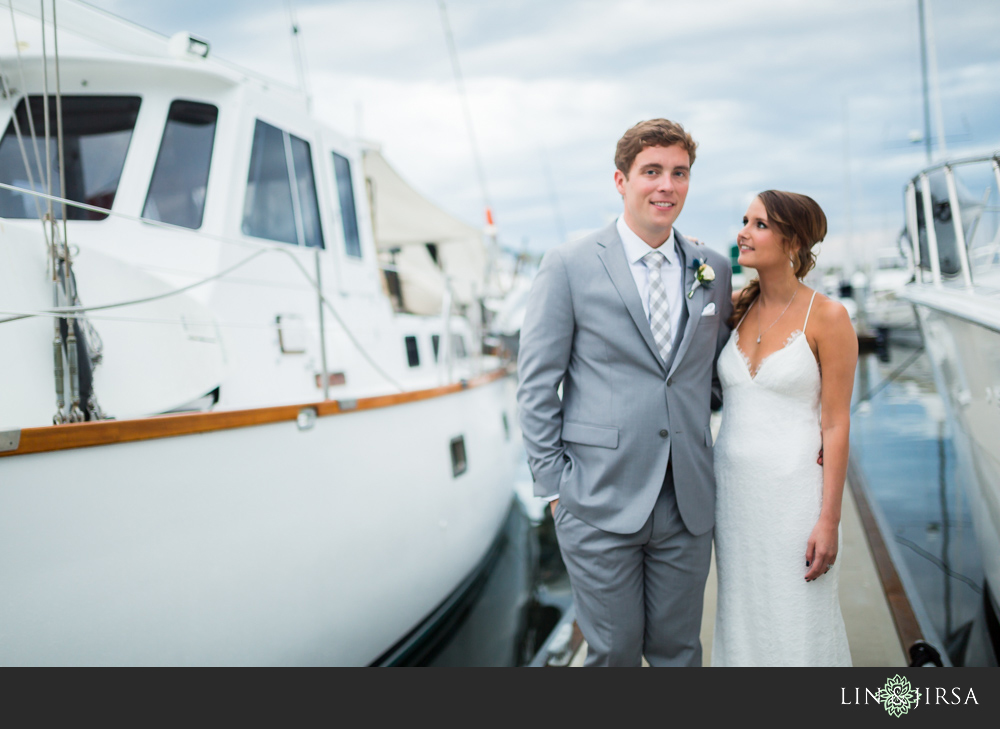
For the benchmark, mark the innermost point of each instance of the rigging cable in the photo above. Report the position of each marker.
(68, 280)
(60, 146)
(258, 250)
(24, 85)
(491, 231)
(9, 94)
(460, 83)
(47, 181)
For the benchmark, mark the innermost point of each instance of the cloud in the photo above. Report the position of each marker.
(818, 97)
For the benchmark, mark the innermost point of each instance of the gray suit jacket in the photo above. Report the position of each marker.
(604, 447)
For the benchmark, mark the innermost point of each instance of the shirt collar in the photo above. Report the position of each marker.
(636, 247)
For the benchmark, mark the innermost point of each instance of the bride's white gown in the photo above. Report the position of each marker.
(769, 494)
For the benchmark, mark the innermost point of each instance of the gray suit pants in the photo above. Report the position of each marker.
(638, 594)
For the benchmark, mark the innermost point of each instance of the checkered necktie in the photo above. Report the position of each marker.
(659, 307)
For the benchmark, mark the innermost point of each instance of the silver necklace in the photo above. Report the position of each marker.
(762, 333)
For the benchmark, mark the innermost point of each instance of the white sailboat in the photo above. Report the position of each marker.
(259, 456)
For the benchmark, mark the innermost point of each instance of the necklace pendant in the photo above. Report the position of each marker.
(758, 340)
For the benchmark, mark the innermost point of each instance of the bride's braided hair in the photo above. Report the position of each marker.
(800, 221)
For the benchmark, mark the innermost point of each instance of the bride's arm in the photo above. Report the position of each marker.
(837, 349)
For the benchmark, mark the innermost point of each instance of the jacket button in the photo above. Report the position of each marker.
(670, 381)
(664, 433)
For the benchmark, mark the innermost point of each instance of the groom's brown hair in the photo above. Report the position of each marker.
(651, 133)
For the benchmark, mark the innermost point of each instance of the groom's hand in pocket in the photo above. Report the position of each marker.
(552, 507)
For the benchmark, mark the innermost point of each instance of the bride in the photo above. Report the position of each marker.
(787, 373)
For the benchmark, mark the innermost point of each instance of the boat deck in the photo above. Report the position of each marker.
(871, 630)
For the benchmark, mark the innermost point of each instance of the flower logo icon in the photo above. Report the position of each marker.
(898, 696)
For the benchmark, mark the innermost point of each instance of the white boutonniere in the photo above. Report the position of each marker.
(704, 275)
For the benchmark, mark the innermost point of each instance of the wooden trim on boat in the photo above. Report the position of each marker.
(105, 432)
(907, 626)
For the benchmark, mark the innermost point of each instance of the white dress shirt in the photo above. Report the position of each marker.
(671, 271)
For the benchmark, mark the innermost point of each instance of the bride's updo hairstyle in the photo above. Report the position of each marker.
(801, 223)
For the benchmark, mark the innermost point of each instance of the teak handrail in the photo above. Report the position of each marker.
(106, 432)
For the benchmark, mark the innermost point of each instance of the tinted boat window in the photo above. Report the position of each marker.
(180, 178)
(273, 209)
(348, 213)
(96, 134)
(267, 208)
(412, 353)
(306, 188)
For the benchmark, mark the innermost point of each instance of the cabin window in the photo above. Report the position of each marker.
(305, 189)
(180, 178)
(281, 202)
(96, 135)
(348, 211)
(435, 345)
(412, 353)
(459, 463)
(458, 346)
(432, 251)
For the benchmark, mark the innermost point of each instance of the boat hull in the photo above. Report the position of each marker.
(964, 350)
(261, 545)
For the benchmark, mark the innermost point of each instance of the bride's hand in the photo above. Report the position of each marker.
(821, 550)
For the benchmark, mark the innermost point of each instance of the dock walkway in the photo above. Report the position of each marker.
(871, 630)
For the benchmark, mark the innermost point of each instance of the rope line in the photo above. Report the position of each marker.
(259, 248)
(63, 312)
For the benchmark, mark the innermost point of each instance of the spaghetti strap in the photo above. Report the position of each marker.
(808, 312)
(746, 312)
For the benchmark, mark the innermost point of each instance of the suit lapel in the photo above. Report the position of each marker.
(612, 255)
(695, 303)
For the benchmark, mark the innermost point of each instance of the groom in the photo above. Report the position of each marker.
(630, 320)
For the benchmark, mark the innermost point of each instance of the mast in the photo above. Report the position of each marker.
(931, 84)
(923, 76)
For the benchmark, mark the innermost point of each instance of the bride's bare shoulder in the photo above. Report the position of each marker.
(830, 311)
(831, 321)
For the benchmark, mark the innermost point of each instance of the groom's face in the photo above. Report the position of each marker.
(654, 191)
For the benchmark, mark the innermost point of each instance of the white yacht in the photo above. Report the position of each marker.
(245, 418)
(953, 225)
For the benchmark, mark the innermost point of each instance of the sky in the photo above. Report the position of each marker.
(818, 97)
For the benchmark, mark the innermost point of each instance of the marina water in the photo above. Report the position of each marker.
(901, 441)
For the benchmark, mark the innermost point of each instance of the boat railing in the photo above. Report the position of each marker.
(964, 240)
